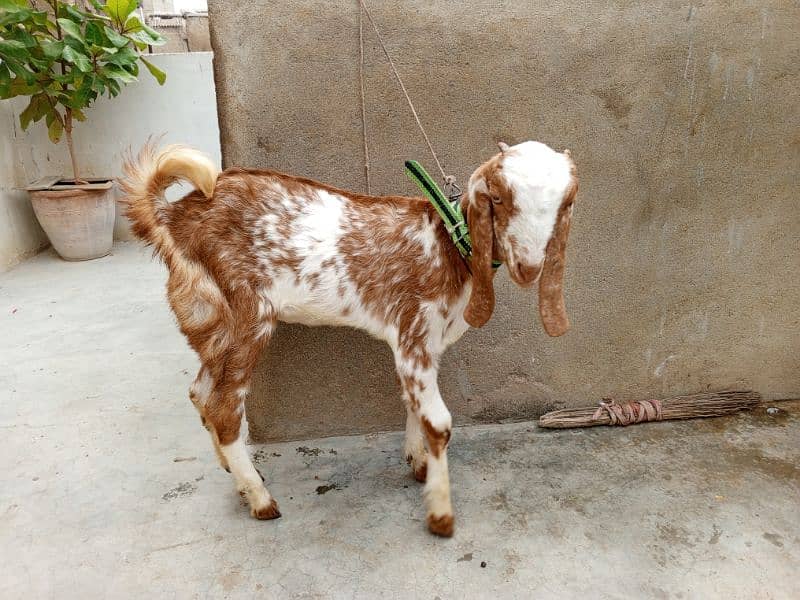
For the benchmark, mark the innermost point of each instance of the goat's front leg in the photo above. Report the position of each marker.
(416, 454)
(433, 426)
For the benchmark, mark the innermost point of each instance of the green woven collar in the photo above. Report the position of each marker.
(453, 217)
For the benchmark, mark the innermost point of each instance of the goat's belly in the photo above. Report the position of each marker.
(315, 315)
(330, 300)
(308, 302)
(310, 315)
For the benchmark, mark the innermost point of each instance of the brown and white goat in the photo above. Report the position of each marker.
(250, 248)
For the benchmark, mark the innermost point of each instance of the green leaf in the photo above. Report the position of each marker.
(81, 61)
(23, 74)
(20, 88)
(136, 30)
(75, 44)
(52, 48)
(65, 79)
(54, 130)
(14, 11)
(98, 86)
(123, 58)
(158, 39)
(13, 5)
(42, 65)
(113, 88)
(36, 109)
(12, 17)
(82, 96)
(22, 35)
(13, 49)
(119, 10)
(118, 73)
(95, 35)
(115, 38)
(5, 81)
(71, 29)
(133, 24)
(160, 76)
(39, 18)
(143, 37)
(78, 16)
(78, 114)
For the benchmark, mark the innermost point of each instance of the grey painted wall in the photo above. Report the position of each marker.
(684, 267)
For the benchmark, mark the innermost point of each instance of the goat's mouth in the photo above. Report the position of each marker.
(524, 275)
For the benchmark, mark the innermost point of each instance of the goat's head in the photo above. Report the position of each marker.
(518, 207)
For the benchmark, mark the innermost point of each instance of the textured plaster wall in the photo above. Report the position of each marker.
(684, 267)
(20, 234)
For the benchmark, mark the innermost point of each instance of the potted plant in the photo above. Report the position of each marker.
(63, 58)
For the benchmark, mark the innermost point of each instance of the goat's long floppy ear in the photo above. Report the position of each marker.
(551, 285)
(481, 233)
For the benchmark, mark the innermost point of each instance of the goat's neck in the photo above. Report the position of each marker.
(452, 261)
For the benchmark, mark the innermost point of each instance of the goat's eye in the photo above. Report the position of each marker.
(497, 200)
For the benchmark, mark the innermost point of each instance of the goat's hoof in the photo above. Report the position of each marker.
(441, 525)
(265, 513)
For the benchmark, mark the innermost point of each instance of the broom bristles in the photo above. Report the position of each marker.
(704, 404)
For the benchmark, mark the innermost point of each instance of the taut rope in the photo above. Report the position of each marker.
(363, 104)
(448, 179)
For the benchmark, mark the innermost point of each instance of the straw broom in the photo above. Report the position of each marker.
(704, 404)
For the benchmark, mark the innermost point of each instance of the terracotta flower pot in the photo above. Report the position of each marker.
(78, 219)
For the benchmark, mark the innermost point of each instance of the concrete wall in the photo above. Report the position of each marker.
(20, 234)
(173, 28)
(684, 267)
(183, 110)
(197, 36)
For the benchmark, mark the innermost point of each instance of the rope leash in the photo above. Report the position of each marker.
(451, 189)
(363, 103)
(630, 412)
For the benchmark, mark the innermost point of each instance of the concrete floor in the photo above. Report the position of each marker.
(109, 487)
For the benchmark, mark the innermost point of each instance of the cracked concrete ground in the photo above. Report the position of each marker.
(109, 486)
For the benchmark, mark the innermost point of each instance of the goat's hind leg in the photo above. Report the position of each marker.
(248, 334)
(229, 344)
(199, 393)
(226, 416)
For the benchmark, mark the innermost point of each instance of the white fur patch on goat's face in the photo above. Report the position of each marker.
(538, 178)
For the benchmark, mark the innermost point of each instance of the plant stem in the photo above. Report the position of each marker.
(68, 133)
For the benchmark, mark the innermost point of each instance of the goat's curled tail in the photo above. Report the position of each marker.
(147, 176)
